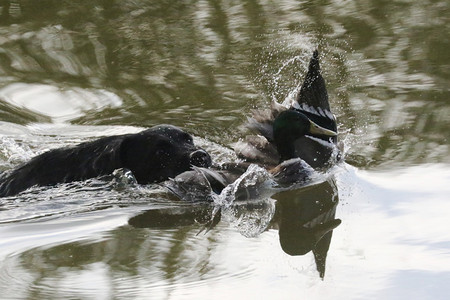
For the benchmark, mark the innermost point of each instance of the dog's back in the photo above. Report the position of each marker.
(80, 162)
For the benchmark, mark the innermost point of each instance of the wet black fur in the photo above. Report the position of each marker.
(152, 155)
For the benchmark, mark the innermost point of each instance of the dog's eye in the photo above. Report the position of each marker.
(188, 138)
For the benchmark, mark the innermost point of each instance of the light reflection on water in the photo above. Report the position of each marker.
(396, 225)
(390, 231)
(57, 105)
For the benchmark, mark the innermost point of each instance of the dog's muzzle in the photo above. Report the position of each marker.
(200, 158)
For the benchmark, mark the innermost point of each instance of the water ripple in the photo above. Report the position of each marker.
(122, 262)
(59, 105)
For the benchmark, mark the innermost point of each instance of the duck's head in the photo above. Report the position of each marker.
(290, 125)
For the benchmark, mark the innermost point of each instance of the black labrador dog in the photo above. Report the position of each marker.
(153, 155)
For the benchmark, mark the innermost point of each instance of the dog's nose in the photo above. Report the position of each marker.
(200, 158)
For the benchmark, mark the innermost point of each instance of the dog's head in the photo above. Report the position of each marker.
(161, 152)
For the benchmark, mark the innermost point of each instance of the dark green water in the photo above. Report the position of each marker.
(71, 71)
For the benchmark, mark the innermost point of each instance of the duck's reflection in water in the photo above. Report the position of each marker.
(173, 217)
(305, 219)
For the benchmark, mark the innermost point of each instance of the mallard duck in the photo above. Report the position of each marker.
(306, 130)
(290, 143)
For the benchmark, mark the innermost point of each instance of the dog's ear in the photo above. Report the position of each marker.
(134, 154)
(146, 156)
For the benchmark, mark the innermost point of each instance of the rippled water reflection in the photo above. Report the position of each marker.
(71, 71)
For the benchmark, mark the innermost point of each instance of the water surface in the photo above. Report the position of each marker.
(72, 71)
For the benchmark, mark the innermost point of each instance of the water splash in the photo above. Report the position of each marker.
(13, 152)
(252, 183)
(119, 189)
(250, 219)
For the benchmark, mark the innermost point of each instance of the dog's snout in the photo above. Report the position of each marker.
(200, 158)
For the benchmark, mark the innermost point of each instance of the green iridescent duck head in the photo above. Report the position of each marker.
(289, 126)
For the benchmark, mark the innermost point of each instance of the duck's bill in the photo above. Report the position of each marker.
(316, 129)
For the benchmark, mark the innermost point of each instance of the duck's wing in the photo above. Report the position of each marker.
(292, 171)
(259, 148)
(312, 99)
(261, 121)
